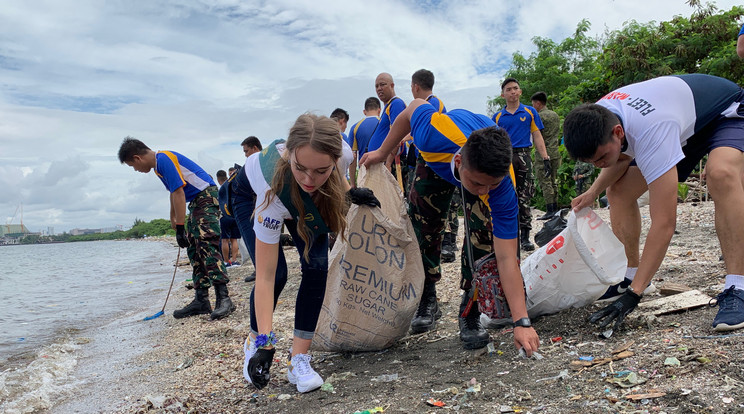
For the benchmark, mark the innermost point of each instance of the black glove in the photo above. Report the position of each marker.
(363, 197)
(259, 365)
(548, 168)
(181, 238)
(617, 310)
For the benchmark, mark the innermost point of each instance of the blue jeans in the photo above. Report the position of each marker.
(314, 272)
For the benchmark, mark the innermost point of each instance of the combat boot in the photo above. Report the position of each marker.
(428, 310)
(448, 247)
(224, 305)
(552, 208)
(472, 334)
(199, 306)
(526, 244)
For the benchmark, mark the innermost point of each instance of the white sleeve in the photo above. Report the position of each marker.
(658, 150)
(267, 220)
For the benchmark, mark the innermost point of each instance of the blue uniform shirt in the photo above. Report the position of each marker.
(360, 134)
(520, 125)
(439, 137)
(176, 171)
(394, 107)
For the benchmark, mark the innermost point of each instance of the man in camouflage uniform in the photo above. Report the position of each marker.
(523, 124)
(583, 174)
(461, 150)
(551, 135)
(200, 235)
(449, 241)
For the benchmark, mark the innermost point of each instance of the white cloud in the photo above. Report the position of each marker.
(199, 76)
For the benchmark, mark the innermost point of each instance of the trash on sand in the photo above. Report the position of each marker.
(703, 360)
(556, 339)
(451, 390)
(727, 400)
(626, 381)
(561, 375)
(343, 376)
(327, 387)
(646, 396)
(623, 347)
(435, 403)
(473, 386)
(189, 361)
(586, 358)
(370, 411)
(283, 397)
(580, 364)
(535, 355)
(672, 361)
(605, 334)
(386, 378)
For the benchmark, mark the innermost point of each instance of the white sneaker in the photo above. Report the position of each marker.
(300, 372)
(249, 348)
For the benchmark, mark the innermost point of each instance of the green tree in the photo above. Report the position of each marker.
(703, 43)
(554, 67)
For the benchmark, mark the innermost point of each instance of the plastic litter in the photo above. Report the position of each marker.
(435, 403)
(672, 361)
(630, 380)
(370, 411)
(586, 358)
(561, 375)
(605, 334)
(386, 378)
(535, 355)
(327, 387)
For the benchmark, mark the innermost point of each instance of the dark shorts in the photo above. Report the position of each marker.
(229, 228)
(721, 132)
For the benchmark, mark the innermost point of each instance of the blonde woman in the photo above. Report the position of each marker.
(297, 183)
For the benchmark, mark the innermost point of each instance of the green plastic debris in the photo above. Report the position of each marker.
(672, 361)
(626, 381)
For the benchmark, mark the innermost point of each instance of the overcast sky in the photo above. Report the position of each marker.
(197, 77)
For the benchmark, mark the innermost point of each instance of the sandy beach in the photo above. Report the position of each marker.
(195, 365)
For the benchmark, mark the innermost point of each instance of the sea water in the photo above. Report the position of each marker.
(55, 297)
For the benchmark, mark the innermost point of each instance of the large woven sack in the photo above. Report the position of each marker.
(375, 275)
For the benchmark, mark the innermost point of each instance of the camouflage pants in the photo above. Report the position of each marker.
(453, 222)
(203, 232)
(522, 164)
(583, 184)
(429, 204)
(548, 185)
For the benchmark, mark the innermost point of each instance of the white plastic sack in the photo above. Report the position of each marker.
(575, 268)
(375, 277)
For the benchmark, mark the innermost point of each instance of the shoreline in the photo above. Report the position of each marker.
(197, 363)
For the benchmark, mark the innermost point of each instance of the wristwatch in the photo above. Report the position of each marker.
(631, 290)
(524, 323)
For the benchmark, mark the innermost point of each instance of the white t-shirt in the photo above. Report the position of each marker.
(347, 156)
(660, 114)
(267, 220)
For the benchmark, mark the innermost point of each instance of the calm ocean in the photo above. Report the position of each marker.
(55, 297)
